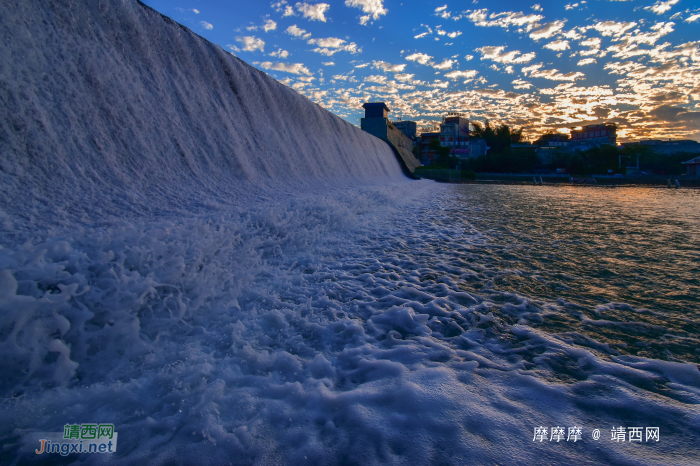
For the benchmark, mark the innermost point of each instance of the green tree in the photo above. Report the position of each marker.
(498, 138)
(444, 159)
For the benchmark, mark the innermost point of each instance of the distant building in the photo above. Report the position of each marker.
(454, 133)
(409, 128)
(593, 136)
(668, 147)
(427, 155)
(692, 166)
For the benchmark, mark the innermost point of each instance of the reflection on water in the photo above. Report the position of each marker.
(617, 265)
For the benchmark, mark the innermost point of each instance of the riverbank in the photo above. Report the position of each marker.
(458, 176)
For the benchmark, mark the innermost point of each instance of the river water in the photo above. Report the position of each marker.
(619, 266)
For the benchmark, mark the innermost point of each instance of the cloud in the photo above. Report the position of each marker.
(379, 79)
(520, 84)
(467, 74)
(438, 83)
(293, 68)
(421, 58)
(586, 61)
(331, 45)
(558, 45)
(404, 77)
(279, 53)
(536, 7)
(423, 34)
(249, 43)
(497, 54)
(661, 7)
(282, 6)
(206, 25)
(534, 71)
(386, 67)
(328, 63)
(692, 18)
(186, 10)
(451, 35)
(496, 93)
(269, 25)
(547, 30)
(373, 9)
(444, 65)
(675, 114)
(297, 32)
(504, 20)
(612, 28)
(314, 12)
(468, 57)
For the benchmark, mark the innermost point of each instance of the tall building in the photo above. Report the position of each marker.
(454, 133)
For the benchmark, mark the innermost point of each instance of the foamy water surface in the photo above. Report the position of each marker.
(411, 324)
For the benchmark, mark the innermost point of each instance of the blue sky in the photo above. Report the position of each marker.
(540, 66)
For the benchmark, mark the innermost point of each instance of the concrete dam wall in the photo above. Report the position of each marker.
(115, 103)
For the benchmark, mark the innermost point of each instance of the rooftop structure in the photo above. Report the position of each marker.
(594, 135)
(376, 110)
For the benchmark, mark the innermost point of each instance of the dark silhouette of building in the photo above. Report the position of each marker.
(593, 136)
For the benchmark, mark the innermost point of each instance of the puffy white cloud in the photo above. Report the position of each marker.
(421, 58)
(498, 55)
(293, 68)
(444, 65)
(404, 77)
(520, 84)
(468, 57)
(547, 30)
(422, 34)
(504, 20)
(249, 44)
(457, 74)
(373, 9)
(692, 18)
(379, 79)
(206, 25)
(535, 71)
(384, 66)
(295, 31)
(328, 63)
(439, 84)
(586, 61)
(269, 25)
(279, 53)
(451, 35)
(661, 7)
(314, 12)
(558, 45)
(331, 45)
(612, 28)
(536, 7)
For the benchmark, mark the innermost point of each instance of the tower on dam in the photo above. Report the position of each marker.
(376, 122)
